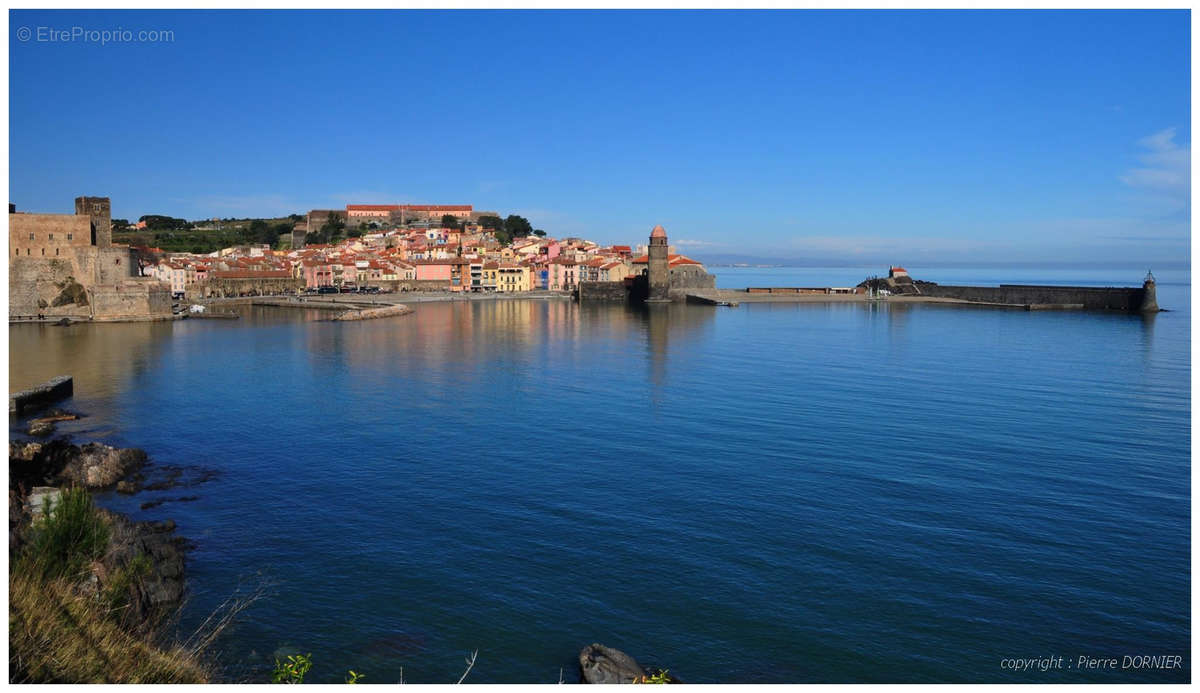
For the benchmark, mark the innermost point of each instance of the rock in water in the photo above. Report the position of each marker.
(40, 429)
(600, 664)
(101, 466)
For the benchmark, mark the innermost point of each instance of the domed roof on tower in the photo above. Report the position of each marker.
(658, 232)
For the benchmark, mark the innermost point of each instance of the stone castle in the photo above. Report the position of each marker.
(66, 266)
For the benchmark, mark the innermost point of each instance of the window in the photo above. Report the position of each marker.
(70, 236)
(56, 251)
(51, 236)
(31, 236)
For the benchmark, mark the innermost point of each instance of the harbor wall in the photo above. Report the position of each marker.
(1127, 299)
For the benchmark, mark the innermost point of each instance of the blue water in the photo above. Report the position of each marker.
(767, 493)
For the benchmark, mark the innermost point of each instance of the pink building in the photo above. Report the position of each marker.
(563, 275)
(316, 274)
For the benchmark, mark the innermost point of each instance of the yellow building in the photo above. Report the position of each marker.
(491, 272)
(512, 278)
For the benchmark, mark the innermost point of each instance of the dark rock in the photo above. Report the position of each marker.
(151, 504)
(600, 664)
(158, 589)
(16, 517)
(23, 451)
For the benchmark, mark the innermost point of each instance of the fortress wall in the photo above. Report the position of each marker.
(38, 235)
(114, 264)
(603, 291)
(134, 299)
(224, 287)
(1120, 298)
(691, 277)
(35, 282)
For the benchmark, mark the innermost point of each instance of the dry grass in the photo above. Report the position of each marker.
(56, 636)
(59, 635)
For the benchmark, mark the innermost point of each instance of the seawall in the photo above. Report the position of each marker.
(1126, 299)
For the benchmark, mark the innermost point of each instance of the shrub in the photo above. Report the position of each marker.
(293, 670)
(68, 535)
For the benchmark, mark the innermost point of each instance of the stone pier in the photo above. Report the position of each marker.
(50, 391)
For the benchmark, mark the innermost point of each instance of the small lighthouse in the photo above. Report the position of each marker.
(659, 274)
(1149, 295)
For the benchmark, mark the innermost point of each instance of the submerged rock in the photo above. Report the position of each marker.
(600, 664)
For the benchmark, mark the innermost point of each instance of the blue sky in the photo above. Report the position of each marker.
(866, 136)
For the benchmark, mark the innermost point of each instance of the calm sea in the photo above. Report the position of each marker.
(767, 493)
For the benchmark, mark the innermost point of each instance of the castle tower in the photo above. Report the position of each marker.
(659, 276)
(100, 210)
(1149, 295)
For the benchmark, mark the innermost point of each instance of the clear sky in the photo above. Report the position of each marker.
(901, 136)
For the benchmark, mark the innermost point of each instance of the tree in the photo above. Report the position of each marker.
(262, 233)
(120, 224)
(449, 221)
(539, 233)
(490, 222)
(281, 229)
(159, 222)
(332, 229)
(517, 226)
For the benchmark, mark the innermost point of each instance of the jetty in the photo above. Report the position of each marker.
(48, 392)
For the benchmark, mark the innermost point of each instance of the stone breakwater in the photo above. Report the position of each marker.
(374, 313)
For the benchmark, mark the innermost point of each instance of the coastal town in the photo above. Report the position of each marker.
(364, 248)
(398, 248)
(72, 266)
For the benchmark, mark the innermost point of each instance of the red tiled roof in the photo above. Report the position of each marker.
(372, 208)
(250, 274)
(671, 260)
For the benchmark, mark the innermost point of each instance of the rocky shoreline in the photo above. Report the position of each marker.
(40, 471)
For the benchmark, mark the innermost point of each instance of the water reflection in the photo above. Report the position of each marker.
(104, 359)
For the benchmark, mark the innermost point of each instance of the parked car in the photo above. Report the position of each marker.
(327, 290)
